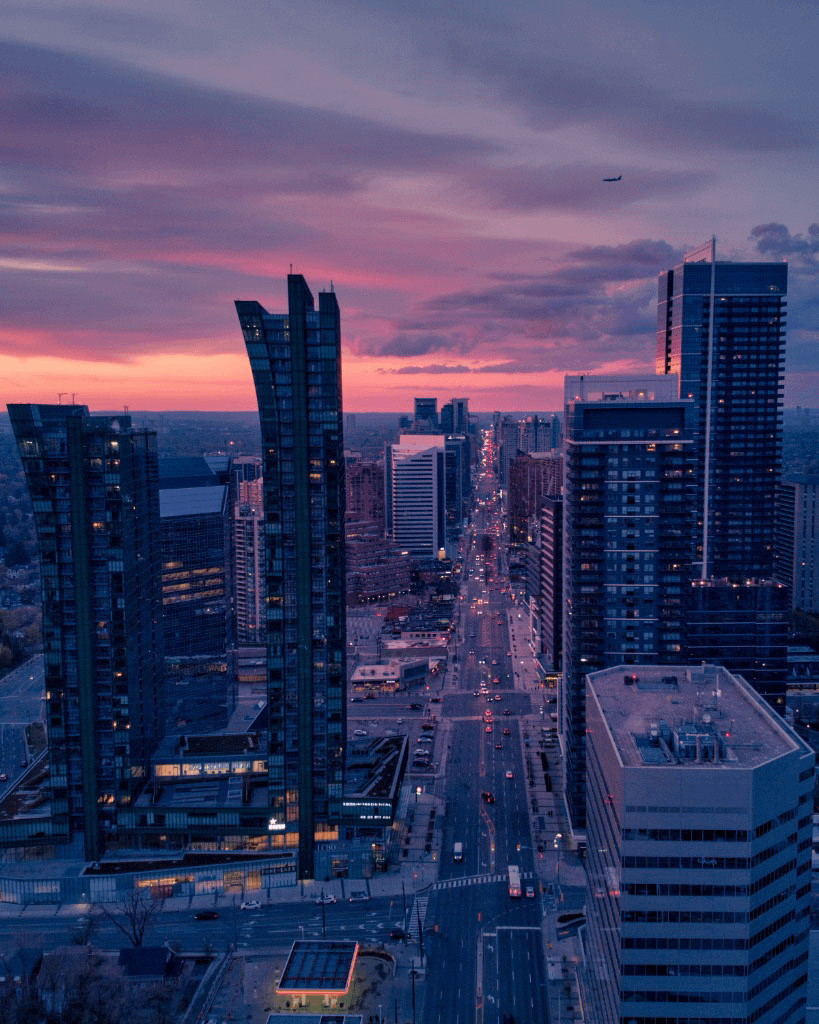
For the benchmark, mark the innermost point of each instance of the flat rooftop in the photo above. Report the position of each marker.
(680, 715)
(323, 967)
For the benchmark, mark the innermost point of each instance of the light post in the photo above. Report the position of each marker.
(558, 842)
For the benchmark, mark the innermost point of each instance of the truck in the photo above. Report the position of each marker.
(458, 852)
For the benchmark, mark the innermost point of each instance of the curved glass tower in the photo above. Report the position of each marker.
(296, 362)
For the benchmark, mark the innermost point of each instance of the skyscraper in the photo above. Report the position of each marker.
(797, 540)
(295, 358)
(93, 485)
(721, 330)
(416, 494)
(626, 540)
(699, 825)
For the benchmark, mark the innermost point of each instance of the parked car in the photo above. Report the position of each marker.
(360, 732)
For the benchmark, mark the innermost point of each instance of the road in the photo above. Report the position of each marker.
(487, 953)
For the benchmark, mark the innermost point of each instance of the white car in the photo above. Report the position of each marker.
(358, 897)
(360, 732)
(329, 898)
(250, 905)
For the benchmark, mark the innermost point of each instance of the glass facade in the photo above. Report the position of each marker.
(626, 542)
(721, 329)
(93, 484)
(296, 364)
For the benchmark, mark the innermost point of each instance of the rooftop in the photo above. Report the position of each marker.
(192, 501)
(688, 716)
(319, 966)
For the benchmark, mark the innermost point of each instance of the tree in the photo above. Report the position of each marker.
(132, 913)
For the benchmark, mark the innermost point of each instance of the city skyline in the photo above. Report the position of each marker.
(447, 181)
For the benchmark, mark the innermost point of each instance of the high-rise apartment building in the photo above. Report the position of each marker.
(743, 626)
(721, 330)
(365, 493)
(700, 804)
(628, 456)
(551, 581)
(797, 540)
(93, 485)
(248, 562)
(197, 586)
(296, 362)
(416, 494)
(532, 476)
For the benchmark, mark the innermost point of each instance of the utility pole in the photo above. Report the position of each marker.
(323, 917)
(404, 897)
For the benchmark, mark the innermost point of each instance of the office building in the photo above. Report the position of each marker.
(628, 484)
(295, 358)
(426, 414)
(457, 484)
(700, 804)
(93, 485)
(797, 540)
(721, 330)
(416, 494)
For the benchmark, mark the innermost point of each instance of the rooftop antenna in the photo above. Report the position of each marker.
(73, 396)
(332, 287)
(291, 268)
(60, 397)
(125, 409)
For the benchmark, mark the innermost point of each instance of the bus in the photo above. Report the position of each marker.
(458, 852)
(514, 881)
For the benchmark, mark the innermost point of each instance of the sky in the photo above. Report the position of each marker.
(439, 164)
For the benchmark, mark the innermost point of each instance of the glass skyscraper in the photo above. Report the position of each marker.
(721, 329)
(296, 362)
(628, 477)
(93, 482)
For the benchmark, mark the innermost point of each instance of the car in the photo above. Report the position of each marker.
(487, 797)
(425, 739)
(398, 934)
(427, 726)
(507, 732)
(530, 892)
(3, 777)
(360, 732)
(415, 707)
(498, 697)
(506, 711)
(510, 774)
(488, 728)
(436, 700)
(250, 905)
(357, 700)
(358, 897)
(206, 915)
(325, 898)
(476, 693)
(498, 746)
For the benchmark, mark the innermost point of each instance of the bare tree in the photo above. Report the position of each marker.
(132, 913)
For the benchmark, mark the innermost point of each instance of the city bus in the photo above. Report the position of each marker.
(514, 880)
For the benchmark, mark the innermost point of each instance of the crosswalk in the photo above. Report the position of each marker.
(457, 883)
(419, 912)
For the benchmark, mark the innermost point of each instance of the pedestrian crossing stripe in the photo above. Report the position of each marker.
(419, 911)
(458, 883)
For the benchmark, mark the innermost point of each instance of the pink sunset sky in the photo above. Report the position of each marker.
(440, 163)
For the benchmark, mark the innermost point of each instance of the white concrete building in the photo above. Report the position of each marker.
(699, 801)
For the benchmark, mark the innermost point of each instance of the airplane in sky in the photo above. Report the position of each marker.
(619, 176)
